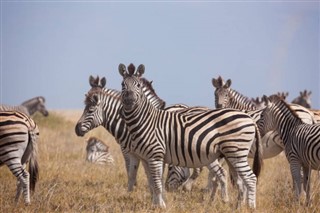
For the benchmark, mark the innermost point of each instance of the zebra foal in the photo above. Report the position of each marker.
(301, 141)
(187, 138)
(18, 146)
(98, 152)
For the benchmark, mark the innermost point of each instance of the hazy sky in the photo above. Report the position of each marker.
(50, 48)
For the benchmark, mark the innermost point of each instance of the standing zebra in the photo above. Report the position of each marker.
(303, 99)
(98, 152)
(18, 146)
(178, 176)
(226, 97)
(102, 108)
(301, 141)
(29, 107)
(186, 139)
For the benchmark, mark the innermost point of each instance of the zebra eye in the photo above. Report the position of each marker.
(138, 85)
(91, 108)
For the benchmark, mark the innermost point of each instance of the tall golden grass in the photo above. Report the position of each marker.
(69, 184)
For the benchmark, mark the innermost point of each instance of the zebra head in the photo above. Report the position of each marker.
(221, 93)
(176, 177)
(266, 121)
(36, 104)
(41, 107)
(93, 114)
(304, 99)
(132, 86)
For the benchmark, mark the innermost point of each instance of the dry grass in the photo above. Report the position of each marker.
(69, 184)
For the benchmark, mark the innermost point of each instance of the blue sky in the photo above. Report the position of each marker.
(51, 48)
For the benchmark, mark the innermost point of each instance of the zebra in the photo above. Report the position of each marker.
(18, 146)
(98, 152)
(303, 99)
(226, 97)
(271, 141)
(29, 107)
(113, 122)
(260, 103)
(178, 176)
(102, 108)
(193, 139)
(301, 141)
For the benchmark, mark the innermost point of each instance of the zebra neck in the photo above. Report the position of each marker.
(239, 101)
(31, 105)
(113, 121)
(140, 115)
(286, 122)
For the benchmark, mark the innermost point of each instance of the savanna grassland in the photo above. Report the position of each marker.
(68, 183)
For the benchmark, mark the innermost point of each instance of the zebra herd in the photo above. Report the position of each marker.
(185, 137)
(180, 136)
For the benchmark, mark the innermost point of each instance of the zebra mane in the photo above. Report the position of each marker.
(277, 100)
(148, 85)
(98, 90)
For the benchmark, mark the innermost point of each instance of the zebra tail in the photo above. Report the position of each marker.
(33, 163)
(258, 160)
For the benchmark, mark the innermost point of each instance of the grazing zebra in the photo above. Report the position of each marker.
(102, 108)
(98, 152)
(301, 141)
(303, 99)
(186, 139)
(18, 146)
(29, 107)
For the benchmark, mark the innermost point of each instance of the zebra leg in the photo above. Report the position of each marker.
(133, 169)
(218, 171)
(211, 182)
(23, 186)
(147, 171)
(187, 186)
(306, 183)
(243, 170)
(237, 180)
(19, 191)
(156, 171)
(295, 168)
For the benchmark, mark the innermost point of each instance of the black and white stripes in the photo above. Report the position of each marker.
(186, 138)
(18, 146)
(301, 141)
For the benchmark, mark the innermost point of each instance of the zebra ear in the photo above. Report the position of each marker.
(140, 70)
(265, 100)
(227, 84)
(122, 70)
(92, 81)
(103, 82)
(217, 83)
(309, 93)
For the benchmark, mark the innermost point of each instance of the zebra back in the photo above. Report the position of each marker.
(20, 108)
(28, 107)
